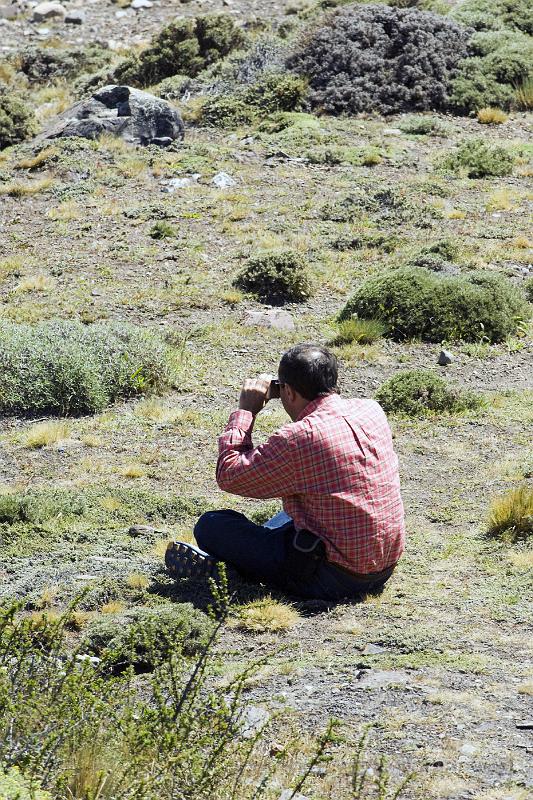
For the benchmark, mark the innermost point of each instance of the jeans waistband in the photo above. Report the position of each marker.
(371, 577)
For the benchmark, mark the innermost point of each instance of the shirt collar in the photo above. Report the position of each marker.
(320, 402)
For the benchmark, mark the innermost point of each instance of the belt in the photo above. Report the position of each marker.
(370, 577)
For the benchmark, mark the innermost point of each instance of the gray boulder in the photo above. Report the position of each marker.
(137, 117)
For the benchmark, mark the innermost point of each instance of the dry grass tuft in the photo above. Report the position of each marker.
(48, 597)
(26, 189)
(524, 95)
(36, 161)
(511, 514)
(113, 607)
(133, 471)
(137, 581)
(157, 411)
(44, 434)
(266, 616)
(523, 242)
(523, 560)
(111, 503)
(491, 116)
(160, 548)
(35, 283)
(79, 619)
(232, 297)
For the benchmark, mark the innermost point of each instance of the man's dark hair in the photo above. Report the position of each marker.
(310, 369)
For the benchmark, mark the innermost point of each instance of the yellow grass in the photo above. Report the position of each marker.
(10, 266)
(111, 503)
(266, 616)
(44, 434)
(524, 95)
(35, 283)
(523, 242)
(456, 213)
(522, 560)
(511, 514)
(65, 212)
(113, 607)
(160, 547)
(137, 581)
(26, 188)
(79, 619)
(232, 297)
(526, 688)
(491, 116)
(37, 160)
(157, 411)
(133, 471)
(501, 200)
(48, 597)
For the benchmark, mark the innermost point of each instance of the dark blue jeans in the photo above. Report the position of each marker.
(293, 561)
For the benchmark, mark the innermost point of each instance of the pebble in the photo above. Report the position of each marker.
(288, 795)
(9, 12)
(445, 358)
(223, 181)
(374, 649)
(392, 132)
(48, 10)
(75, 17)
(279, 320)
(143, 530)
(138, 4)
(253, 719)
(170, 185)
(468, 749)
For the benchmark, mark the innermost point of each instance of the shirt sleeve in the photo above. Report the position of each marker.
(261, 472)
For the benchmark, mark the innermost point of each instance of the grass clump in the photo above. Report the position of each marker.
(276, 276)
(511, 514)
(524, 94)
(414, 302)
(67, 368)
(45, 434)
(421, 392)
(491, 116)
(185, 47)
(17, 121)
(406, 64)
(477, 159)
(145, 637)
(266, 616)
(162, 230)
(358, 331)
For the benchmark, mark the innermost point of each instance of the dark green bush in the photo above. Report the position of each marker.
(478, 159)
(493, 14)
(419, 392)
(438, 257)
(276, 276)
(274, 92)
(17, 121)
(162, 230)
(185, 47)
(67, 368)
(386, 242)
(414, 302)
(145, 637)
(421, 125)
(45, 64)
(380, 59)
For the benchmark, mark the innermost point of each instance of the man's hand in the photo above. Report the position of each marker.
(254, 393)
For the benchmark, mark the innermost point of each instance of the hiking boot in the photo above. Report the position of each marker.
(185, 561)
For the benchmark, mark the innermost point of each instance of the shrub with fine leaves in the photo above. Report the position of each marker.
(477, 159)
(17, 121)
(64, 367)
(419, 392)
(414, 302)
(380, 59)
(276, 276)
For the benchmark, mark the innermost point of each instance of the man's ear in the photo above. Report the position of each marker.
(290, 393)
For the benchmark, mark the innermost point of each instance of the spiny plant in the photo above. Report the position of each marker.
(421, 392)
(511, 514)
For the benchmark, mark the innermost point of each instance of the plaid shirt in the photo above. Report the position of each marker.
(336, 471)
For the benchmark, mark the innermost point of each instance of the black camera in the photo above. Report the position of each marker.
(273, 390)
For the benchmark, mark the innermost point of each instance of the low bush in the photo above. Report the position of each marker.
(67, 368)
(276, 276)
(438, 257)
(162, 230)
(511, 514)
(493, 14)
(420, 392)
(45, 64)
(184, 47)
(476, 158)
(17, 121)
(421, 126)
(386, 242)
(274, 92)
(528, 288)
(380, 59)
(388, 204)
(414, 302)
(359, 331)
(145, 637)
(15, 786)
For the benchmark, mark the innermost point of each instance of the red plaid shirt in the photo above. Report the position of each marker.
(336, 471)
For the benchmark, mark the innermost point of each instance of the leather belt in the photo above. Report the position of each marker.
(370, 577)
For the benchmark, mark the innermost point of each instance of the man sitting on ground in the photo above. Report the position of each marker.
(342, 529)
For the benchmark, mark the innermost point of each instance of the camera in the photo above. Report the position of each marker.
(273, 390)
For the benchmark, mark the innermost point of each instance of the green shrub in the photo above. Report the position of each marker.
(17, 121)
(274, 92)
(145, 637)
(360, 331)
(528, 288)
(162, 230)
(511, 514)
(419, 392)
(477, 159)
(414, 302)
(386, 242)
(184, 47)
(493, 14)
(438, 257)
(276, 276)
(15, 786)
(67, 368)
(45, 64)
(421, 125)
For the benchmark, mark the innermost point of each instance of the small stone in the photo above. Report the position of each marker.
(123, 12)
(48, 10)
(445, 358)
(75, 18)
(392, 132)
(138, 4)
(374, 650)
(526, 725)
(170, 185)
(288, 795)
(468, 749)
(161, 141)
(438, 763)
(143, 530)
(253, 719)
(85, 577)
(9, 12)
(277, 319)
(223, 181)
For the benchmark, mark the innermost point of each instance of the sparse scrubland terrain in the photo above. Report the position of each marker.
(367, 168)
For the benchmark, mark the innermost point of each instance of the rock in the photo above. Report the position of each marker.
(138, 4)
(526, 725)
(392, 132)
(144, 530)
(277, 319)
(378, 679)
(468, 749)
(48, 10)
(253, 719)
(171, 184)
(288, 795)
(374, 649)
(135, 116)
(75, 17)
(445, 358)
(223, 181)
(10, 12)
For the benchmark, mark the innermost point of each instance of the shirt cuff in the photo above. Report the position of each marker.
(244, 420)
